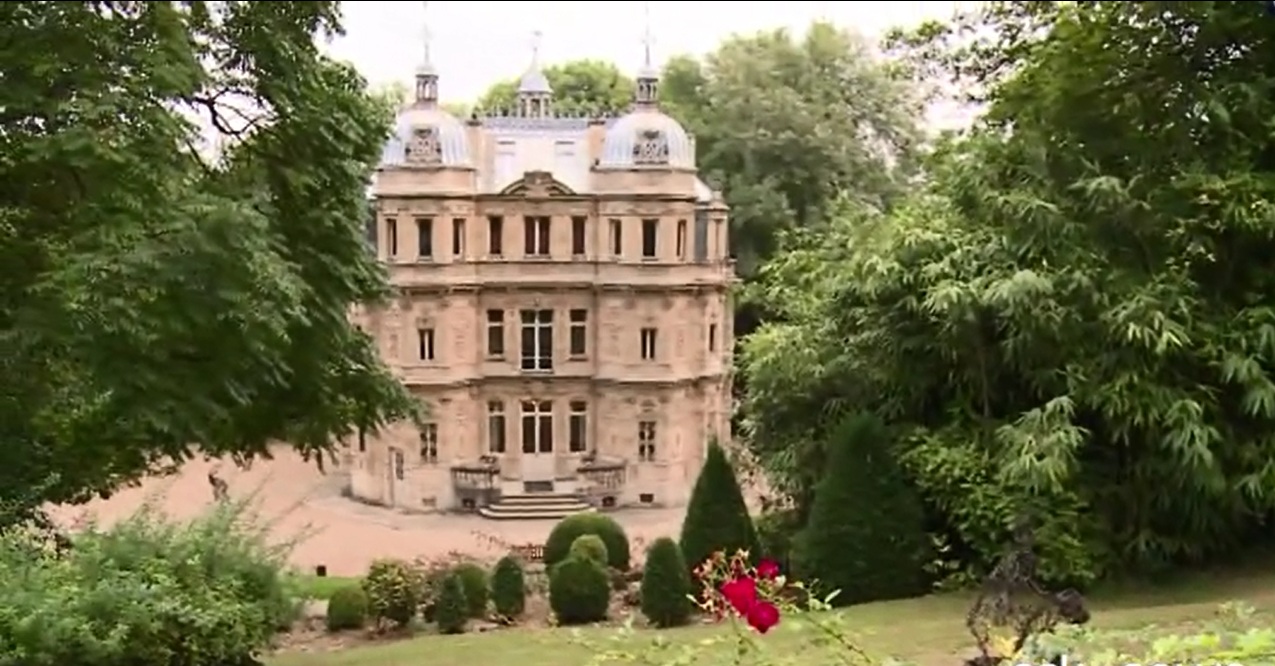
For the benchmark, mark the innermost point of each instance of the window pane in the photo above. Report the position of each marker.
(529, 434)
(546, 434)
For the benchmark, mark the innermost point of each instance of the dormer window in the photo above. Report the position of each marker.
(651, 147)
(424, 147)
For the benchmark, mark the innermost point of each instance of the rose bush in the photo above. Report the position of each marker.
(751, 601)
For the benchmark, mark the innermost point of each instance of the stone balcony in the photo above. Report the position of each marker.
(482, 483)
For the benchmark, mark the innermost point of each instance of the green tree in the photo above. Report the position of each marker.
(155, 301)
(786, 127)
(1071, 317)
(716, 517)
(866, 535)
(666, 585)
(579, 86)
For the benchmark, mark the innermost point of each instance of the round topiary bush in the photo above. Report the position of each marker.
(509, 587)
(394, 589)
(590, 546)
(473, 578)
(558, 546)
(579, 591)
(666, 585)
(451, 608)
(347, 609)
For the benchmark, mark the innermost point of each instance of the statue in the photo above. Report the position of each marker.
(1011, 598)
(220, 489)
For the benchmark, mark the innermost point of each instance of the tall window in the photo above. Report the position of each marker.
(398, 464)
(537, 339)
(579, 225)
(495, 235)
(536, 236)
(425, 238)
(617, 237)
(646, 440)
(578, 427)
(648, 344)
(429, 443)
(391, 236)
(650, 234)
(681, 239)
(458, 236)
(496, 426)
(537, 426)
(579, 333)
(425, 344)
(712, 337)
(496, 333)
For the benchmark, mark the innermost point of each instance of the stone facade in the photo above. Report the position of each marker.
(562, 306)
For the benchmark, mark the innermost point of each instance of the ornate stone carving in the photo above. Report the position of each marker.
(424, 148)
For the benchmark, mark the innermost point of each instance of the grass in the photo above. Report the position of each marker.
(928, 630)
(314, 587)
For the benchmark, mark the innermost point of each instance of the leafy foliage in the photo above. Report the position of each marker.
(866, 535)
(347, 609)
(452, 609)
(1236, 636)
(509, 587)
(394, 591)
(1073, 314)
(587, 87)
(666, 585)
(162, 296)
(788, 126)
(716, 517)
(473, 579)
(146, 591)
(579, 591)
(589, 546)
(565, 533)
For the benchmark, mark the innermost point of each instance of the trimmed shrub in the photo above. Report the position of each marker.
(509, 587)
(579, 591)
(666, 585)
(394, 591)
(347, 608)
(451, 608)
(125, 594)
(590, 546)
(866, 535)
(558, 546)
(473, 578)
(716, 517)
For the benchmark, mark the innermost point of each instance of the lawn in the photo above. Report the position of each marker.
(928, 630)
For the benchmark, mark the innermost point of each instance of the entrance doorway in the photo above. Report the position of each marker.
(538, 461)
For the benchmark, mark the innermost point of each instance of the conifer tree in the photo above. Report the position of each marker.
(716, 517)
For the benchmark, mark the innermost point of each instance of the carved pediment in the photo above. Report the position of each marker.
(537, 185)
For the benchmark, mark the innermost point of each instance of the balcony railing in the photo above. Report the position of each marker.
(602, 476)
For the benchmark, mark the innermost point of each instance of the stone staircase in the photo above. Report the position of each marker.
(535, 506)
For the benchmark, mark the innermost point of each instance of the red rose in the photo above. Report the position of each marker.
(741, 593)
(762, 616)
(768, 569)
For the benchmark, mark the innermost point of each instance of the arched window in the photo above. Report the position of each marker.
(424, 146)
(651, 147)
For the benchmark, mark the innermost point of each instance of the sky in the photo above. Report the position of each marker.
(474, 44)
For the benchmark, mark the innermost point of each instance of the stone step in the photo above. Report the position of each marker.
(502, 511)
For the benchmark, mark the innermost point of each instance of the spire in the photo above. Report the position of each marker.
(648, 79)
(426, 75)
(534, 92)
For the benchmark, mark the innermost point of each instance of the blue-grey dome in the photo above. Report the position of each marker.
(427, 136)
(647, 137)
(534, 81)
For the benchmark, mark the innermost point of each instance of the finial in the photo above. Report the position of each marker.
(535, 47)
(646, 36)
(425, 36)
